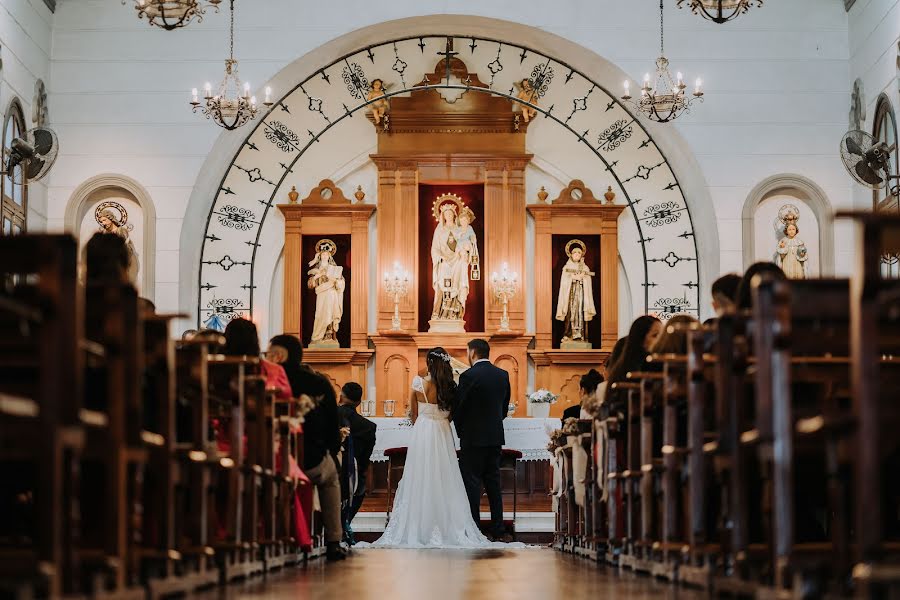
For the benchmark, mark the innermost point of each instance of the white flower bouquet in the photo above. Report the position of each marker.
(542, 397)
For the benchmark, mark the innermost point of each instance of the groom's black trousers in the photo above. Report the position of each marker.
(480, 466)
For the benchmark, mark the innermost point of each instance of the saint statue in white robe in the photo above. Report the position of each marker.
(326, 277)
(575, 304)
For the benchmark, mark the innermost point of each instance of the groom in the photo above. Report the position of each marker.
(482, 402)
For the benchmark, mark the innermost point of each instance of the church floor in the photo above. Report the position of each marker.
(452, 575)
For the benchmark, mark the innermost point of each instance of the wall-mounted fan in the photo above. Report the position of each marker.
(34, 152)
(869, 161)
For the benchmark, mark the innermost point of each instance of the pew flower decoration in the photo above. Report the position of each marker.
(570, 426)
(557, 440)
(304, 404)
(542, 397)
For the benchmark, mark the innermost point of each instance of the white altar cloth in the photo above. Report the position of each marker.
(529, 436)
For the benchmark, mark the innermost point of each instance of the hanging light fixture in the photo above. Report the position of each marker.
(172, 14)
(719, 11)
(665, 100)
(232, 105)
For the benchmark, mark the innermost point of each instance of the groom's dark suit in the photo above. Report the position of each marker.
(482, 402)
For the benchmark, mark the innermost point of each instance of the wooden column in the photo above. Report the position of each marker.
(397, 237)
(504, 214)
(543, 279)
(359, 309)
(293, 263)
(609, 279)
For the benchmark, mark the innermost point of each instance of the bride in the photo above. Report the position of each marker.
(431, 509)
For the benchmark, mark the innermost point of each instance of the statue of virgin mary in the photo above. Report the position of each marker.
(450, 270)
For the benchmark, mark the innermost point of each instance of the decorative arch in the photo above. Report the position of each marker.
(807, 191)
(81, 199)
(661, 182)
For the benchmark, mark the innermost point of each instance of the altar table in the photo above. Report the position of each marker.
(529, 436)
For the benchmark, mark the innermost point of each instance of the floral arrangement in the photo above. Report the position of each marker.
(557, 440)
(542, 397)
(570, 426)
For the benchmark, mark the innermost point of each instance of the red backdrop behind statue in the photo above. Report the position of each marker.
(308, 305)
(473, 197)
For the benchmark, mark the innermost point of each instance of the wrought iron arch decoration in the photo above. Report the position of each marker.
(561, 94)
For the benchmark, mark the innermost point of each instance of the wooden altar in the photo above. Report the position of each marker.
(474, 140)
(574, 214)
(327, 213)
(472, 143)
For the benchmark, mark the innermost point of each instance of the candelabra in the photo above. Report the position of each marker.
(504, 286)
(665, 99)
(396, 283)
(232, 105)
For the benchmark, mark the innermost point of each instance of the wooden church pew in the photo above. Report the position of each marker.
(875, 348)
(41, 418)
(802, 372)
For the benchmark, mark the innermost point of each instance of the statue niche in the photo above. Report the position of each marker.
(455, 260)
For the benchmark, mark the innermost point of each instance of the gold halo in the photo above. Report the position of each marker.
(573, 243)
(326, 245)
(442, 201)
(110, 204)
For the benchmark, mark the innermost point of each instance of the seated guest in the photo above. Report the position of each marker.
(640, 339)
(241, 339)
(724, 293)
(744, 297)
(600, 394)
(321, 435)
(587, 390)
(362, 442)
(106, 259)
(673, 339)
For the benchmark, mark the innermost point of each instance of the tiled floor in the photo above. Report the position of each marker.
(527, 574)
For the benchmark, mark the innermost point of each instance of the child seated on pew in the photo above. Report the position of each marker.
(358, 449)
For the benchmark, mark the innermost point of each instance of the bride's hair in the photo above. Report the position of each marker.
(441, 372)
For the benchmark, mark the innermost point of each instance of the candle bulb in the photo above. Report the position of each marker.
(699, 88)
(253, 101)
(268, 95)
(194, 97)
(680, 78)
(247, 89)
(208, 89)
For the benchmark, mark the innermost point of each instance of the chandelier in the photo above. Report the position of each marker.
(665, 100)
(232, 105)
(172, 14)
(719, 11)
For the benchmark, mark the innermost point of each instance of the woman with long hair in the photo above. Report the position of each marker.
(640, 339)
(431, 509)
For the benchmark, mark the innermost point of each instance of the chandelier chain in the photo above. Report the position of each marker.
(231, 48)
(662, 46)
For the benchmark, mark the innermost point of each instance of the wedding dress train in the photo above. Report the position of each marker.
(431, 509)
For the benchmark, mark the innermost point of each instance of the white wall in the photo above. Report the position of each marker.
(25, 37)
(777, 85)
(874, 32)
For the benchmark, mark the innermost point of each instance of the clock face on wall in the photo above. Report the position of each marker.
(328, 110)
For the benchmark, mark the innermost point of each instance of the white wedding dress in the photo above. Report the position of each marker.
(431, 509)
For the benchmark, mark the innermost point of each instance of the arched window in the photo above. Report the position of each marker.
(14, 189)
(885, 130)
